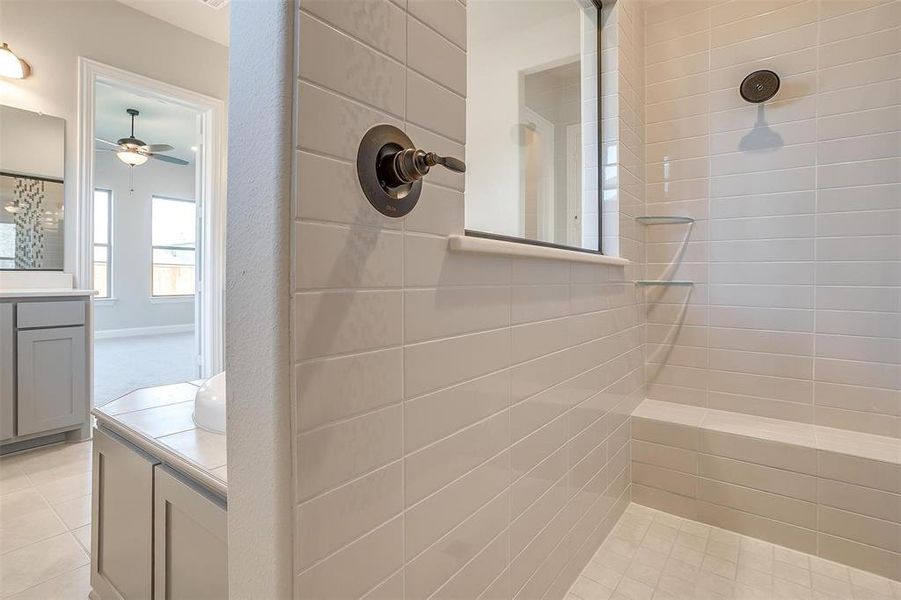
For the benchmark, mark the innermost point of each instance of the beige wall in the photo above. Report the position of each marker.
(795, 254)
(461, 421)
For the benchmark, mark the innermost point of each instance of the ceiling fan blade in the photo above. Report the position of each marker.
(102, 141)
(157, 148)
(169, 159)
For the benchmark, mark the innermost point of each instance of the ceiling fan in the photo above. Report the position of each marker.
(134, 152)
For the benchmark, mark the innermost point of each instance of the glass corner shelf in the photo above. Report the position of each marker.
(662, 220)
(663, 282)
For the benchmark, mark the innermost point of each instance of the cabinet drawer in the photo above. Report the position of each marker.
(49, 314)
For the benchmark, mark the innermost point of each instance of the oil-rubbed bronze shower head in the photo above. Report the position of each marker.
(759, 86)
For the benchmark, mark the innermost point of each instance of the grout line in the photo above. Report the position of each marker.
(403, 320)
(816, 185)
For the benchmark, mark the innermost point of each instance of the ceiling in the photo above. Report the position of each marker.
(159, 122)
(200, 17)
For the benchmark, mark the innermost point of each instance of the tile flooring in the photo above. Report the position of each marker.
(652, 555)
(45, 523)
(45, 538)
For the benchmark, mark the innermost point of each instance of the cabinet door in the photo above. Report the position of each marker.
(52, 387)
(190, 544)
(7, 366)
(122, 520)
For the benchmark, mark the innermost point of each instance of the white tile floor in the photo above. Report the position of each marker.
(45, 538)
(651, 555)
(45, 523)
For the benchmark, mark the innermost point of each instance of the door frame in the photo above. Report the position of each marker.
(211, 196)
(545, 181)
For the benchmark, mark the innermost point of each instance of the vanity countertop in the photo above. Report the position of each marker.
(44, 292)
(159, 420)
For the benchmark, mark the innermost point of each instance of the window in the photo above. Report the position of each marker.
(103, 273)
(173, 235)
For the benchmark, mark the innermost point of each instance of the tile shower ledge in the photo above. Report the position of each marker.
(477, 245)
(818, 437)
(159, 421)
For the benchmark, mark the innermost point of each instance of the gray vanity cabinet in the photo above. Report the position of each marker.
(121, 550)
(190, 544)
(7, 372)
(153, 534)
(44, 361)
(52, 390)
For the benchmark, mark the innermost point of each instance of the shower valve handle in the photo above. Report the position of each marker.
(411, 165)
(390, 169)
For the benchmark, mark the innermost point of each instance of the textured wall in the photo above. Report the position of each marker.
(795, 313)
(257, 300)
(461, 421)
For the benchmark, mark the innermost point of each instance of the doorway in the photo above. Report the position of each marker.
(151, 228)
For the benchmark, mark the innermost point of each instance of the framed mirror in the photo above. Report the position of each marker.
(532, 147)
(32, 190)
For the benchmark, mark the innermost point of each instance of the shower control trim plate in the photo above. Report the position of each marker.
(390, 169)
(379, 146)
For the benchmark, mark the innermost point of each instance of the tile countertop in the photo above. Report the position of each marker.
(159, 421)
(44, 292)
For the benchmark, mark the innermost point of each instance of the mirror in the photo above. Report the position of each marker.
(531, 122)
(32, 198)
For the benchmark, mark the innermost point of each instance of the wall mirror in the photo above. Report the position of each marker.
(32, 167)
(531, 122)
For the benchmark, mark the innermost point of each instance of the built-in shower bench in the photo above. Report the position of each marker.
(828, 492)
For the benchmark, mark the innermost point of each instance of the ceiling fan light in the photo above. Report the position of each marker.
(131, 158)
(12, 66)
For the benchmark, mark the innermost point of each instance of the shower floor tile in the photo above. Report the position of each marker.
(652, 555)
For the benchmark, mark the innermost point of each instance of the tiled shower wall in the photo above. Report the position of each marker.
(461, 421)
(795, 254)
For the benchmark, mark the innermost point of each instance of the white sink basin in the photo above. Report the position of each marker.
(209, 404)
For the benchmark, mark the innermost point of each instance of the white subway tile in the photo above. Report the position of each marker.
(339, 62)
(784, 18)
(371, 559)
(380, 23)
(337, 388)
(854, 24)
(338, 453)
(435, 57)
(337, 322)
(320, 177)
(443, 312)
(347, 257)
(433, 365)
(448, 17)
(429, 469)
(332, 520)
(330, 124)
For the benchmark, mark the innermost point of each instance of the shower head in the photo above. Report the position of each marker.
(759, 86)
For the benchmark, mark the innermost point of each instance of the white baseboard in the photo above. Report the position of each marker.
(158, 330)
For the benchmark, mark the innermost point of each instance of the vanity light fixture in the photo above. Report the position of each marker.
(12, 66)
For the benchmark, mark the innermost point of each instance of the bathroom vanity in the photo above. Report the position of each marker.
(44, 366)
(159, 499)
